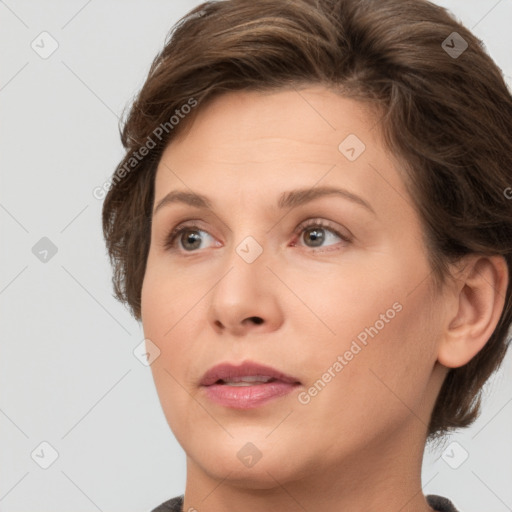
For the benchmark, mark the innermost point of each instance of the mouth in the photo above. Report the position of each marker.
(248, 373)
(246, 381)
(246, 386)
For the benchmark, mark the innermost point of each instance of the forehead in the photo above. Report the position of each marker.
(313, 116)
(249, 142)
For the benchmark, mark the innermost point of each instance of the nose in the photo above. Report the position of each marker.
(246, 298)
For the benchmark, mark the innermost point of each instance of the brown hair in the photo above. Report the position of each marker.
(446, 117)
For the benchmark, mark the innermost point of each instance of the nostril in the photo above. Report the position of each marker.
(256, 319)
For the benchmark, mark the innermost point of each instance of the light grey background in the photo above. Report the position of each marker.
(68, 373)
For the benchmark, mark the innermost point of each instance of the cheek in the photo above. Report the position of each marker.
(161, 310)
(386, 337)
(156, 297)
(168, 298)
(168, 313)
(160, 317)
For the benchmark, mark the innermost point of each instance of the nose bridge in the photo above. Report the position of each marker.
(249, 236)
(246, 260)
(250, 249)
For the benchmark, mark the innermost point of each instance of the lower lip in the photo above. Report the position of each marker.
(247, 397)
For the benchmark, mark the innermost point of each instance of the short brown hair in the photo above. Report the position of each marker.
(446, 117)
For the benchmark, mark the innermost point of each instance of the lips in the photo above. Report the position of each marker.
(230, 373)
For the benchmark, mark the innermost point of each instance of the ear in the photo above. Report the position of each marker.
(474, 306)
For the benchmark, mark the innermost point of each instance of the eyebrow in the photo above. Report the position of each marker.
(289, 199)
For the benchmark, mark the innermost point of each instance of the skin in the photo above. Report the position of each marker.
(358, 444)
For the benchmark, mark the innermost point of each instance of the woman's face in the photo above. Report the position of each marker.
(318, 286)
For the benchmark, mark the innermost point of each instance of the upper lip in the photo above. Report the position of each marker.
(226, 371)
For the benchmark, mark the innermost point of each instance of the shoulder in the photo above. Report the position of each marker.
(440, 504)
(172, 505)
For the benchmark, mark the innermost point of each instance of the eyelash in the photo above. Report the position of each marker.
(170, 240)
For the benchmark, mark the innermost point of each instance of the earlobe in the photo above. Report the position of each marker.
(478, 304)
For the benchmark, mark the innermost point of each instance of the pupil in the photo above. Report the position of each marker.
(191, 236)
(316, 236)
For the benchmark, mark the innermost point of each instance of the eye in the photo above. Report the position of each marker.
(314, 232)
(190, 238)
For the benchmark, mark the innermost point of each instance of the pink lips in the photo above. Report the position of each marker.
(247, 396)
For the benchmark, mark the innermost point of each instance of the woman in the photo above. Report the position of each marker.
(311, 221)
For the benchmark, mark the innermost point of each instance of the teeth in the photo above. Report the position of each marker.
(239, 384)
(247, 381)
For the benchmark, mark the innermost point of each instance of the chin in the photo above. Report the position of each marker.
(253, 465)
(259, 477)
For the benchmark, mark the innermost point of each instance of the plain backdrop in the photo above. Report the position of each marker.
(74, 396)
